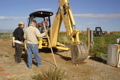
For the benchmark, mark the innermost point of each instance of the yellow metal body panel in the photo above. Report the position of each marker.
(54, 30)
(40, 43)
(60, 44)
(62, 48)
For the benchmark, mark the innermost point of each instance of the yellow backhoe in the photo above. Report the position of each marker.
(78, 50)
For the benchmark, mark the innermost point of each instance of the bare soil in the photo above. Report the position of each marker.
(88, 70)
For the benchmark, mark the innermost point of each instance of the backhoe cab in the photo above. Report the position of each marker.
(40, 16)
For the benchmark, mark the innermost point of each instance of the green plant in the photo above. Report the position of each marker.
(64, 39)
(101, 44)
(51, 74)
(83, 38)
(5, 55)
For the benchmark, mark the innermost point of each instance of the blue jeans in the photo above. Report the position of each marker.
(33, 49)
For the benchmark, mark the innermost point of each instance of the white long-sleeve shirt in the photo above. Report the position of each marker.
(32, 34)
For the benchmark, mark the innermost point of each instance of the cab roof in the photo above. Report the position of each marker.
(41, 14)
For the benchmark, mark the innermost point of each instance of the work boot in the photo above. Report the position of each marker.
(29, 67)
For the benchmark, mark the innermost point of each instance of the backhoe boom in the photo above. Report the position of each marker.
(64, 14)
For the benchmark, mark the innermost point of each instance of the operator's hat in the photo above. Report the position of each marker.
(21, 23)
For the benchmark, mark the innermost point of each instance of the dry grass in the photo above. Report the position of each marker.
(51, 74)
(64, 39)
(3, 54)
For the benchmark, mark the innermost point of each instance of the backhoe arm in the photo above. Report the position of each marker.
(64, 14)
(79, 51)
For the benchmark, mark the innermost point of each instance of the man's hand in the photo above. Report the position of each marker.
(46, 31)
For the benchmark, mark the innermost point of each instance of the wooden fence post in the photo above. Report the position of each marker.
(88, 38)
(91, 39)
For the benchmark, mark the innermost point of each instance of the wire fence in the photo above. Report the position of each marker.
(6, 35)
(63, 38)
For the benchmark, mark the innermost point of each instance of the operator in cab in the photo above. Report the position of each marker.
(43, 25)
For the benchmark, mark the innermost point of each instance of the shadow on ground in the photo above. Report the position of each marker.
(98, 59)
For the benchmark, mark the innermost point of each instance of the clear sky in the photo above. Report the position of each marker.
(87, 13)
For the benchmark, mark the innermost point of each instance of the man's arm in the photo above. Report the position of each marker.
(38, 34)
(25, 36)
(44, 26)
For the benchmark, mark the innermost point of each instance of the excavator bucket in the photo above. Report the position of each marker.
(79, 53)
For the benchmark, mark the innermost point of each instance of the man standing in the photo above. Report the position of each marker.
(31, 35)
(18, 34)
